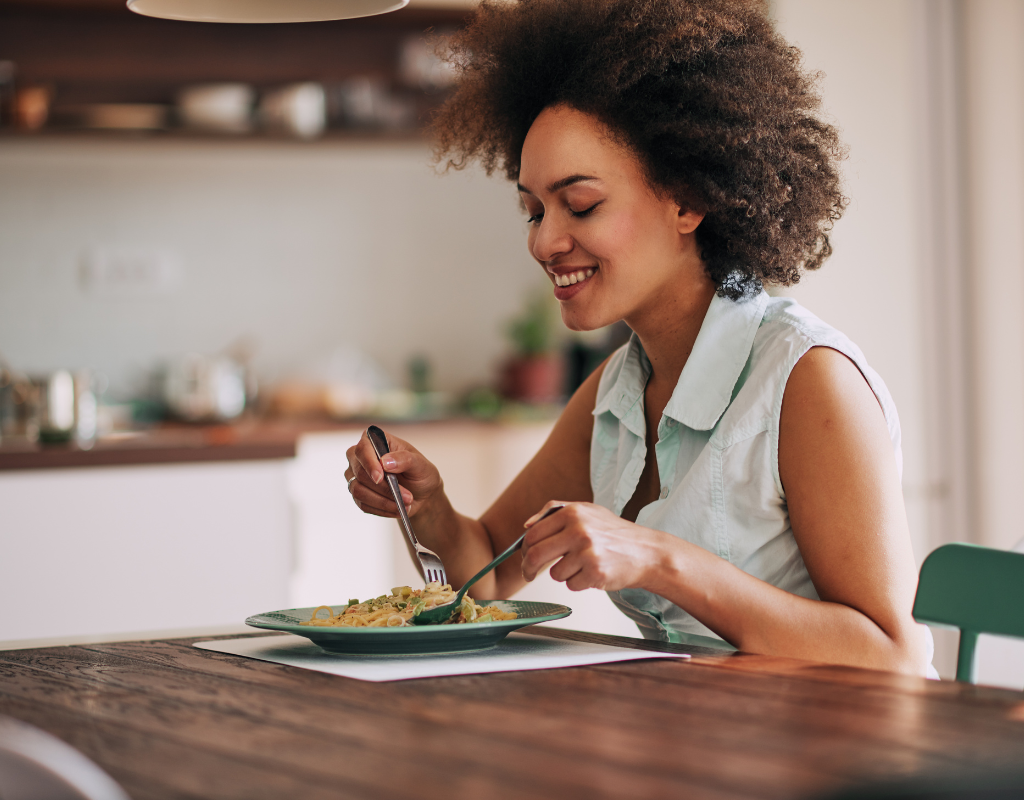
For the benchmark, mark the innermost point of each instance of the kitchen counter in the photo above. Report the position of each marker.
(247, 440)
(165, 445)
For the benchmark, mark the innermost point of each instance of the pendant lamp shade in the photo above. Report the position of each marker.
(263, 10)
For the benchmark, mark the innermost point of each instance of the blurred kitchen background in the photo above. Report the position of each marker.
(224, 248)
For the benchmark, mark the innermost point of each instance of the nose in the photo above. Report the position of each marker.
(550, 240)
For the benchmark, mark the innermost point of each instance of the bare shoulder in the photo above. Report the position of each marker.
(823, 384)
(839, 472)
(829, 414)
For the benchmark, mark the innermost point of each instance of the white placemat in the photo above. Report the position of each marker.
(518, 651)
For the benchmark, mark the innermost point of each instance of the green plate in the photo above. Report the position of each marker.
(413, 640)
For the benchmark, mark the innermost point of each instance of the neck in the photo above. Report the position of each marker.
(669, 328)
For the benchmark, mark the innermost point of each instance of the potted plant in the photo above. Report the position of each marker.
(535, 372)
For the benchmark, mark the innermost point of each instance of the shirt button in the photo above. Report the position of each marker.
(671, 423)
(664, 492)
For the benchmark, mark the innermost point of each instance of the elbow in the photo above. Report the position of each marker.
(909, 652)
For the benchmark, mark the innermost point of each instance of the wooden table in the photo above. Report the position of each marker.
(171, 721)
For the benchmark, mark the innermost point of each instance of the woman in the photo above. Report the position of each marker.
(733, 472)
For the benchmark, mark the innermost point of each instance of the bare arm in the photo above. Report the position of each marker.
(560, 469)
(846, 509)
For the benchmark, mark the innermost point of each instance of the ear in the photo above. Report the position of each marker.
(688, 220)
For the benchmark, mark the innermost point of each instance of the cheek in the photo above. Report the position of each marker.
(643, 236)
(618, 239)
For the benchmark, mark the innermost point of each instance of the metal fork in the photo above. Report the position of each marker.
(433, 569)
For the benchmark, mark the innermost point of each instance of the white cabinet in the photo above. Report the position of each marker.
(111, 550)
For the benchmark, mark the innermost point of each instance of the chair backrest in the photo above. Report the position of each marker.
(35, 764)
(973, 588)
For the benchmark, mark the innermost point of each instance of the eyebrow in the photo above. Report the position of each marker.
(561, 183)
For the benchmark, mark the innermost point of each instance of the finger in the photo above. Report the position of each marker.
(383, 488)
(355, 476)
(567, 566)
(547, 527)
(385, 494)
(365, 476)
(403, 461)
(538, 556)
(592, 575)
(547, 507)
(579, 582)
(367, 458)
(376, 512)
(412, 469)
(370, 500)
(356, 455)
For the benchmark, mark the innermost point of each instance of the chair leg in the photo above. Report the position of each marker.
(966, 668)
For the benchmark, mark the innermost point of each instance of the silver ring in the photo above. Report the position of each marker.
(349, 484)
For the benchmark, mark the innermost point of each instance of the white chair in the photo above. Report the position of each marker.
(37, 766)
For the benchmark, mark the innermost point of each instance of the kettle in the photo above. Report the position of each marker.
(201, 388)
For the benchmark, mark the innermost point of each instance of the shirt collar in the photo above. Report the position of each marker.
(706, 384)
(719, 355)
(625, 397)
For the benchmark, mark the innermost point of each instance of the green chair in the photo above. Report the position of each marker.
(976, 589)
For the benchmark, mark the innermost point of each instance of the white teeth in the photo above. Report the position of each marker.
(573, 277)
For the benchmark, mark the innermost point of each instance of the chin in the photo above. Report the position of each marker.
(581, 321)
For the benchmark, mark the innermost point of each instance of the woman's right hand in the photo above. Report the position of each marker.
(418, 479)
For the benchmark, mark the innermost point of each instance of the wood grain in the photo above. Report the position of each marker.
(169, 720)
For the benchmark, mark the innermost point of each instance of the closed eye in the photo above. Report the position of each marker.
(585, 212)
(535, 219)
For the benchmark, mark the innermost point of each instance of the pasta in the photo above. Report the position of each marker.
(397, 609)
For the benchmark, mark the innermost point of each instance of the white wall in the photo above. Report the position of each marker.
(869, 288)
(300, 246)
(994, 77)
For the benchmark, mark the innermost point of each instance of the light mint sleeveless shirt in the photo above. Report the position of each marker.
(718, 448)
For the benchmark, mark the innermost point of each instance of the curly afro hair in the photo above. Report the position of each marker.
(714, 103)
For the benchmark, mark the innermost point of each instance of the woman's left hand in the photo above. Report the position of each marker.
(593, 548)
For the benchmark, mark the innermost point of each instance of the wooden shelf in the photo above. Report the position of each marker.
(96, 51)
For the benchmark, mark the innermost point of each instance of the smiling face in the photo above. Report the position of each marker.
(612, 247)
